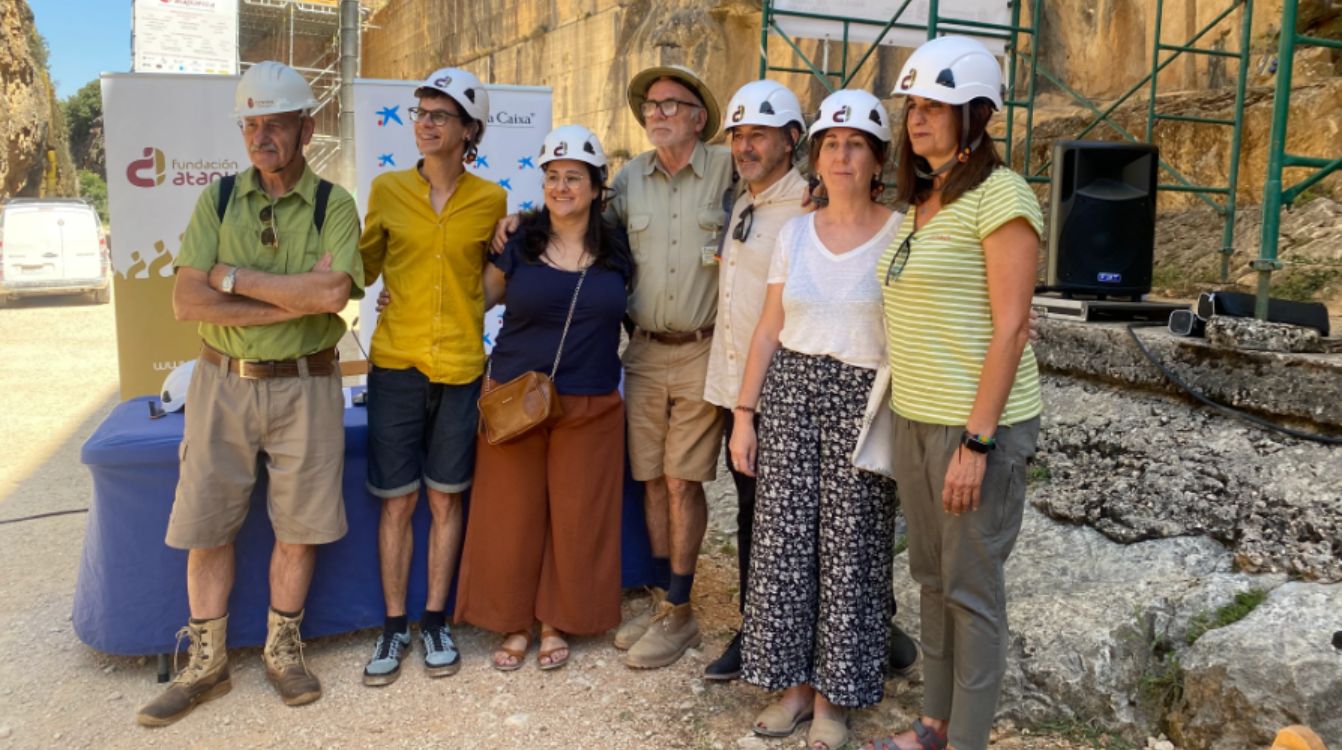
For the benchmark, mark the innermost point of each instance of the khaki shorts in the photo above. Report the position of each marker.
(295, 424)
(673, 431)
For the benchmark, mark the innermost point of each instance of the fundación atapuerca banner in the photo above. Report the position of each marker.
(168, 136)
(519, 119)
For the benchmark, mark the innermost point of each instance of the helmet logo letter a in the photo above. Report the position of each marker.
(841, 114)
(443, 82)
(561, 149)
(906, 82)
(739, 113)
(250, 104)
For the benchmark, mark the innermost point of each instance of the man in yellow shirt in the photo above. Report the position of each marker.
(427, 233)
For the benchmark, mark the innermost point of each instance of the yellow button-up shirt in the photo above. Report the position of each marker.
(674, 223)
(743, 280)
(432, 264)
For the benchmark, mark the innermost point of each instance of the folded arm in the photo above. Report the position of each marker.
(194, 299)
(320, 290)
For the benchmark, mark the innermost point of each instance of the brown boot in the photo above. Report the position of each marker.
(633, 629)
(285, 667)
(205, 676)
(672, 631)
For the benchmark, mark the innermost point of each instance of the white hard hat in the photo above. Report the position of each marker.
(572, 142)
(464, 89)
(952, 69)
(173, 392)
(269, 88)
(853, 108)
(763, 102)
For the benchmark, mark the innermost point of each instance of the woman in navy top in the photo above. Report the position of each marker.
(543, 540)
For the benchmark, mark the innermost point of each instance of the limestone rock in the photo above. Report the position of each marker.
(1091, 619)
(1261, 335)
(1273, 668)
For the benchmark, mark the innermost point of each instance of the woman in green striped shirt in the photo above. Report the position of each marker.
(957, 282)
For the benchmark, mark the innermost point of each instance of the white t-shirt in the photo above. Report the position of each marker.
(831, 303)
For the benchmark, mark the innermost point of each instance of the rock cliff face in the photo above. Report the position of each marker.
(587, 50)
(29, 113)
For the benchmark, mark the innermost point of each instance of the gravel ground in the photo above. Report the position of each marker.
(59, 379)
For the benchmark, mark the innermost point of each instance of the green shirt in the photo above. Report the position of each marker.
(237, 242)
(937, 319)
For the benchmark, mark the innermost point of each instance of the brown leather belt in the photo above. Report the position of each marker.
(675, 337)
(324, 362)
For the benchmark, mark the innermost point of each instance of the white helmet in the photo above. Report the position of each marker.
(763, 102)
(952, 69)
(173, 392)
(572, 142)
(852, 108)
(464, 88)
(269, 88)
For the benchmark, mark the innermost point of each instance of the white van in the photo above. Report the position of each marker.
(52, 246)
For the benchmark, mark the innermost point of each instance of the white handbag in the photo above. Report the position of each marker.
(875, 451)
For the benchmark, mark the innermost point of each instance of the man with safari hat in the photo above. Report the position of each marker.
(670, 201)
(268, 259)
(427, 235)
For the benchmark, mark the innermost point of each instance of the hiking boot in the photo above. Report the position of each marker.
(636, 626)
(440, 653)
(902, 654)
(285, 666)
(672, 631)
(728, 666)
(385, 666)
(204, 678)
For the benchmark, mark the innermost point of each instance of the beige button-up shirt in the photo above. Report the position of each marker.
(673, 222)
(743, 280)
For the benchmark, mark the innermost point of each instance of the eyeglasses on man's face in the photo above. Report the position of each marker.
(668, 107)
(438, 117)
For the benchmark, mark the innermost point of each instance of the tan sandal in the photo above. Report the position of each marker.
(777, 721)
(545, 659)
(518, 655)
(827, 734)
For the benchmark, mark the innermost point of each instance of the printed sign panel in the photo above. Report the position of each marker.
(168, 136)
(185, 36)
(519, 119)
(881, 11)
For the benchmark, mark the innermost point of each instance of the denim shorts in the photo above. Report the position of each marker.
(419, 430)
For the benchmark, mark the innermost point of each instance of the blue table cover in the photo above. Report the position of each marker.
(130, 597)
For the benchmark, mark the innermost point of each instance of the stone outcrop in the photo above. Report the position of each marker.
(30, 119)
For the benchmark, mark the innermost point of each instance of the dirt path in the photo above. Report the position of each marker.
(58, 380)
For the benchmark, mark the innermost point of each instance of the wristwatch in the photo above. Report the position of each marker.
(230, 278)
(977, 443)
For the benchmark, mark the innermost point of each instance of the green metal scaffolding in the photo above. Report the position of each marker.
(1021, 90)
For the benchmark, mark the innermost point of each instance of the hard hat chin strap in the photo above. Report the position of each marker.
(961, 156)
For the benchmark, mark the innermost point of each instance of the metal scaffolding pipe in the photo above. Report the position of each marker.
(349, 67)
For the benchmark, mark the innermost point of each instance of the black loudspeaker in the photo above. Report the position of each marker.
(1102, 218)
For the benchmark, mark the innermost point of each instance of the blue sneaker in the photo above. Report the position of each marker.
(385, 666)
(440, 653)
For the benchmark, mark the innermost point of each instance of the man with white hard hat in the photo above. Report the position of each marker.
(427, 235)
(268, 260)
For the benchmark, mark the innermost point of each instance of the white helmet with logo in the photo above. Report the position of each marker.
(269, 88)
(853, 108)
(464, 88)
(572, 142)
(173, 392)
(763, 102)
(952, 69)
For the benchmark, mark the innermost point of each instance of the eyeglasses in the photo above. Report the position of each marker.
(435, 116)
(668, 107)
(742, 229)
(553, 180)
(270, 237)
(900, 260)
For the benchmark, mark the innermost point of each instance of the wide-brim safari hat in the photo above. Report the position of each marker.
(638, 92)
